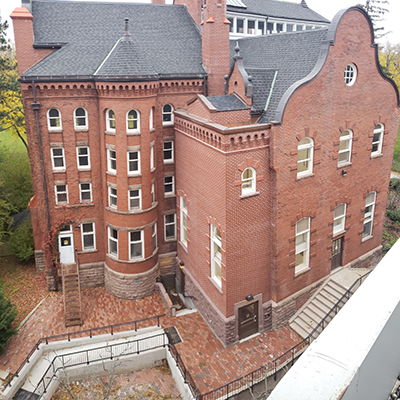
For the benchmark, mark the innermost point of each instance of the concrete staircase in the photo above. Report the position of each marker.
(312, 313)
(72, 294)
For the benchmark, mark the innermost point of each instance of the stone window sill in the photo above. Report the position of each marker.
(215, 284)
(301, 272)
(301, 177)
(366, 238)
(247, 195)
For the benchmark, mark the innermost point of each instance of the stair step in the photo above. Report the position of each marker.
(308, 313)
(299, 329)
(327, 298)
(335, 289)
(317, 311)
(336, 295)
(321, 305)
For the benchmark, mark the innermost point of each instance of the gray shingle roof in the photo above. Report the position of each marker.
(227, 103)
(291, 55)
(280, 9)
(165, 39)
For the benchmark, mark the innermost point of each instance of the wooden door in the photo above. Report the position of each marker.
(337, 250)
(248, 320)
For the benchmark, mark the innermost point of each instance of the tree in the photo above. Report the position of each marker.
(8, 312)
(376, 9)
(389, 58)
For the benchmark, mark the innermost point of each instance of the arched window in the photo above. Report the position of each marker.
(346, 138)
(133, 121)
(110, 121)
(54, 120)
(305, 150)
(350, 74)
(248, 181)
(168, 115)
(377, 139)
(302, 244)
(80, 118)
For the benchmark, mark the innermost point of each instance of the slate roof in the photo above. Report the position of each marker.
(291, 56)
(227, 103)
(279, 9)
(165, 40)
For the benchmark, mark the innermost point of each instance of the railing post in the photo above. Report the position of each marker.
(44, 386)
(112, 329)
(90, 333)
(87, 357)
(275, 370)
(135, 326)
(69, 338)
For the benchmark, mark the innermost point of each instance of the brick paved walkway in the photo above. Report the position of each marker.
(210, 363)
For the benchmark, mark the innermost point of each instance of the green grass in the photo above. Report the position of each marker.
(396, 155)
(11, 141)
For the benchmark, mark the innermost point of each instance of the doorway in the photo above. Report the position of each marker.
(66, 245)
(248, 320)
(337, 250)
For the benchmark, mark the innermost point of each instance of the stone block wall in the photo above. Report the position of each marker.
(91, 275)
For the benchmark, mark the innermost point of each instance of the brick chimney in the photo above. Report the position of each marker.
(194, 8)
(23, 33)
(215, 45)
(158, 1)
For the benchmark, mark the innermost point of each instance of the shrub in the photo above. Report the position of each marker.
(8, 312)
(21, 241)
(394, 215)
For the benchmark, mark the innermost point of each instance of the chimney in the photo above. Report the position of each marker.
(194, 8)
(215, 45)
(304, 4)
(158, 1)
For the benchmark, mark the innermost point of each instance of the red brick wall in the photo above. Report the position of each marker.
(194, 8)
(321, 109)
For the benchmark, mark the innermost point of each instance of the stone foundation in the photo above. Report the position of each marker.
(368, 260)
(267, 316)
(40, 261)
(130, 286)
(91, 275)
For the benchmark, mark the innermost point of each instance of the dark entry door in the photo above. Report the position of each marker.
(248, 320)
(337, 249)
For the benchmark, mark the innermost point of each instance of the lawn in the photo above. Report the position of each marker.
(396, 155)
(12, 141)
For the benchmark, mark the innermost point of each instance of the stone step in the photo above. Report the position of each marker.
(299, 329)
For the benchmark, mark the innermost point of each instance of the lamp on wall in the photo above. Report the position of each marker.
(344, 172)
(249, 297)
(181, 265)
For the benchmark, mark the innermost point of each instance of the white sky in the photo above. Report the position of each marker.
(324, 7)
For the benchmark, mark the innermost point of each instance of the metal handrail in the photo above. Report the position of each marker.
(232, 387)
(68, 336)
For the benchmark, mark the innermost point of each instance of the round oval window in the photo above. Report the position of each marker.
(350, 74)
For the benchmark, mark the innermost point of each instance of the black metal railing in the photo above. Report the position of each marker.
(84, 333)
(248, 381)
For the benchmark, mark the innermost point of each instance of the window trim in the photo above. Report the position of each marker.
(153, 193)
(370, 217)
(53, 157)
(169, 122)
(304, 266)
(85, 191)
(350, 74)
(54, 128)
(251, 180)
(169, 160)
(139, 197)
(168, 238)
(112, 239)
(133, 130)
(152, 164)
(380, 130)
(109, 127)
(183, 225)
(348, 138)
(83, 234)
(84, 167)
(172, 192)
(215, 244)
(151, 119)
(341, 217)
(138, 170)
(141, 241)
(111, 170)
(65, 192)
(113, 196)
(81, 127)
(305, 146)
(154, 236)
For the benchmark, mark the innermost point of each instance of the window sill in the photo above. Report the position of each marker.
(167, 124)
(75, 205)
(340, 233)
(132, 174)
(366, 238)
(152, 169)
(346, 164)
(55, 130)
(58, 171)
(216, 285)
(132, 133)
(246, 195)
(152, 130)
(309, 175)
(170, 240)
(169, 196)
(112, 173)
(184, 247)
(302, 271)
(84, 169)
(109, 132)
(87, 251)
(376, 155)
(166, 162)
(81, 129)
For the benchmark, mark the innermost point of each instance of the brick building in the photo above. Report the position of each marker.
(249, 169)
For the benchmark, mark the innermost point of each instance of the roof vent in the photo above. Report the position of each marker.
(304, 4)
(127, 35)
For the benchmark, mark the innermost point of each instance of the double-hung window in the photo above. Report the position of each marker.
(80, 119)
(377, 140)
(170, 226)
(248, 181)
(305, 157)
(133, 121)
(153, 193)
(184, 221)
(61, 194)
(169, 186)
(54, 120)
(168, 149)
(133, 162)
(111, 161)
(135, 202)
(302, 244)
(346, 138)
(136, 245)
(88, 236)
(83, 158)
(167, 115)
(369, 215)
(113, 241)
(216, 256)
(154, 236)
(57, 159)
(339, 218)
(152, 158)
(112, 197)
(85, 192)
(110, 121)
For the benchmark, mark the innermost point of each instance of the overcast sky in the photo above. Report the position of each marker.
(324, 7)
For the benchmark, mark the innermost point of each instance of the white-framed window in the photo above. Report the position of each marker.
(350, 74)
(153, 193)
(136, 245)
(112, 197)
(151, 119)
(216, 255)
(110, 121)
(133, 121)
(169, 185)
(369, 215)
(302, 244)
(170, 226)
(167, 115)
(57, 158)
(184, 221)
(339, 218)
(88, 236)
(377, 140)
(251, 27)
(133, 162)
(239, 25)
(346, 138)
(168, 152)
(305, 150)
(154, 236)
(270, 27)
(260, 27)
(248, 181)
(113, 242)
(135, 199)
(61, 192)
(80, 119)
(152, 157)
(54, 120)
(83, 158)
(111, 161)
(85, 192)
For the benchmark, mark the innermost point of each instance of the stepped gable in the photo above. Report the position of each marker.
(167, 40)
(272, 8)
